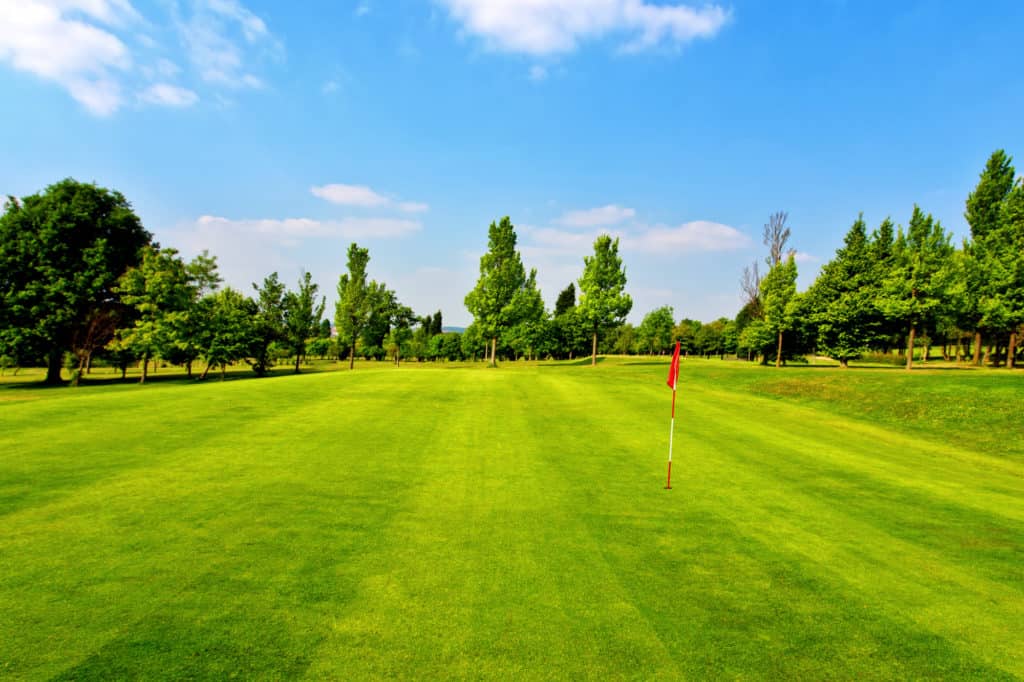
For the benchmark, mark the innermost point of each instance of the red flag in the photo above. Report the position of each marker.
(673, 371)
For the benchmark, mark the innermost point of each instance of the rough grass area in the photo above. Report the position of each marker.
(438, 522)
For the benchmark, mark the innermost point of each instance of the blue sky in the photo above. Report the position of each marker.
(274, 134)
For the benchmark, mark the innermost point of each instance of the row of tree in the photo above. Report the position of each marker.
(890, 287)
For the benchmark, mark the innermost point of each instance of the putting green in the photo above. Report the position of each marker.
(462, 522)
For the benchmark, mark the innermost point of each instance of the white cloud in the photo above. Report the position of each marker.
(362, 9)
(803, 257)
(83, 46)
(696, 236)
(612, 214)
(364, 197)
(165, 94)
(210, 38)
(538, 73)
(288, 230)
(544, 27)
(39, 37)
(349, 195)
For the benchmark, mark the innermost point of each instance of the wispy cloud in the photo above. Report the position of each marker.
(363, 197)
(97, 50)
(693, 237)
(349, 195)
(546, 27)
(362, 9)
(538, 73)
(222, 39)
(290, 229)
(168, 95)
(612, 214)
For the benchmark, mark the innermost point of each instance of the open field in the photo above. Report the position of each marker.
(453, 521)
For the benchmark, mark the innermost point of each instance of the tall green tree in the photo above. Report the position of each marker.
(1004, 304)
(841, 302)
(230, 330)
(62, 252)
(654, 334)
(161, 292)
(917, 281)
(302, 316)
(603, 301)
(566, 300)
(984, 215)
(778, 290)
(497, 301)
(355, 302)
(268, 322)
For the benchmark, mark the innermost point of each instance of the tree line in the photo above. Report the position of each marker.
(81, 279)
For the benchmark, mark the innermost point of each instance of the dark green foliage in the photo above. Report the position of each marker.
(355, 303)
(566, 300)
(61, 254)
(841, 303)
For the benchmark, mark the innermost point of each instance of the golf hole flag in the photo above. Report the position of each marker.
(673, 379)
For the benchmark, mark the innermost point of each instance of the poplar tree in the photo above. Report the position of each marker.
(603, 301)
(355, 304)
(497, 302)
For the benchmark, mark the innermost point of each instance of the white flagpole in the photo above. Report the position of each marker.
(671, 433)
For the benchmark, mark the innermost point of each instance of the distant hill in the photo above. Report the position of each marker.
(453, 329)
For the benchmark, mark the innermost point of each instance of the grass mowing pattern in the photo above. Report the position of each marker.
(463, 522)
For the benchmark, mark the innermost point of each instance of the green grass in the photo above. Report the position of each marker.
(438, 522)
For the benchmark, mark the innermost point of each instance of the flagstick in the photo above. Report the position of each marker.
(671, 433)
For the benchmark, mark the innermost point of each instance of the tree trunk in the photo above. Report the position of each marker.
(124, 372)
(959, 349)
(206, 371)
(593, 354)
(88, 362)
(778, 351)
(297, 358)
(988, 354)
(945, 349)
(844, 363)
(352, 356)
(53, 362)
(494, 348)
(1011, 350)
(398, 357)
(145, 369)
(976, 356)
(223, 370)
(910, 348)
(188, 369)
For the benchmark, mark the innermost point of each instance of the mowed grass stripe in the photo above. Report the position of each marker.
(727, 468)
(472, 523)
(230, 531)
(490, 574)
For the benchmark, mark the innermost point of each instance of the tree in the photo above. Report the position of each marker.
(775, 236)
(61, 254)
(918, 278)
(268, 323)
(496, 302)
(778, 288)
(655, 332)
(984, 214)
(230, 331)
(566, 300)
(161, 292)
(302, 316)
(841, 302)
(436, 324)
(355, 303)
(603, 301)
(1004, 304)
